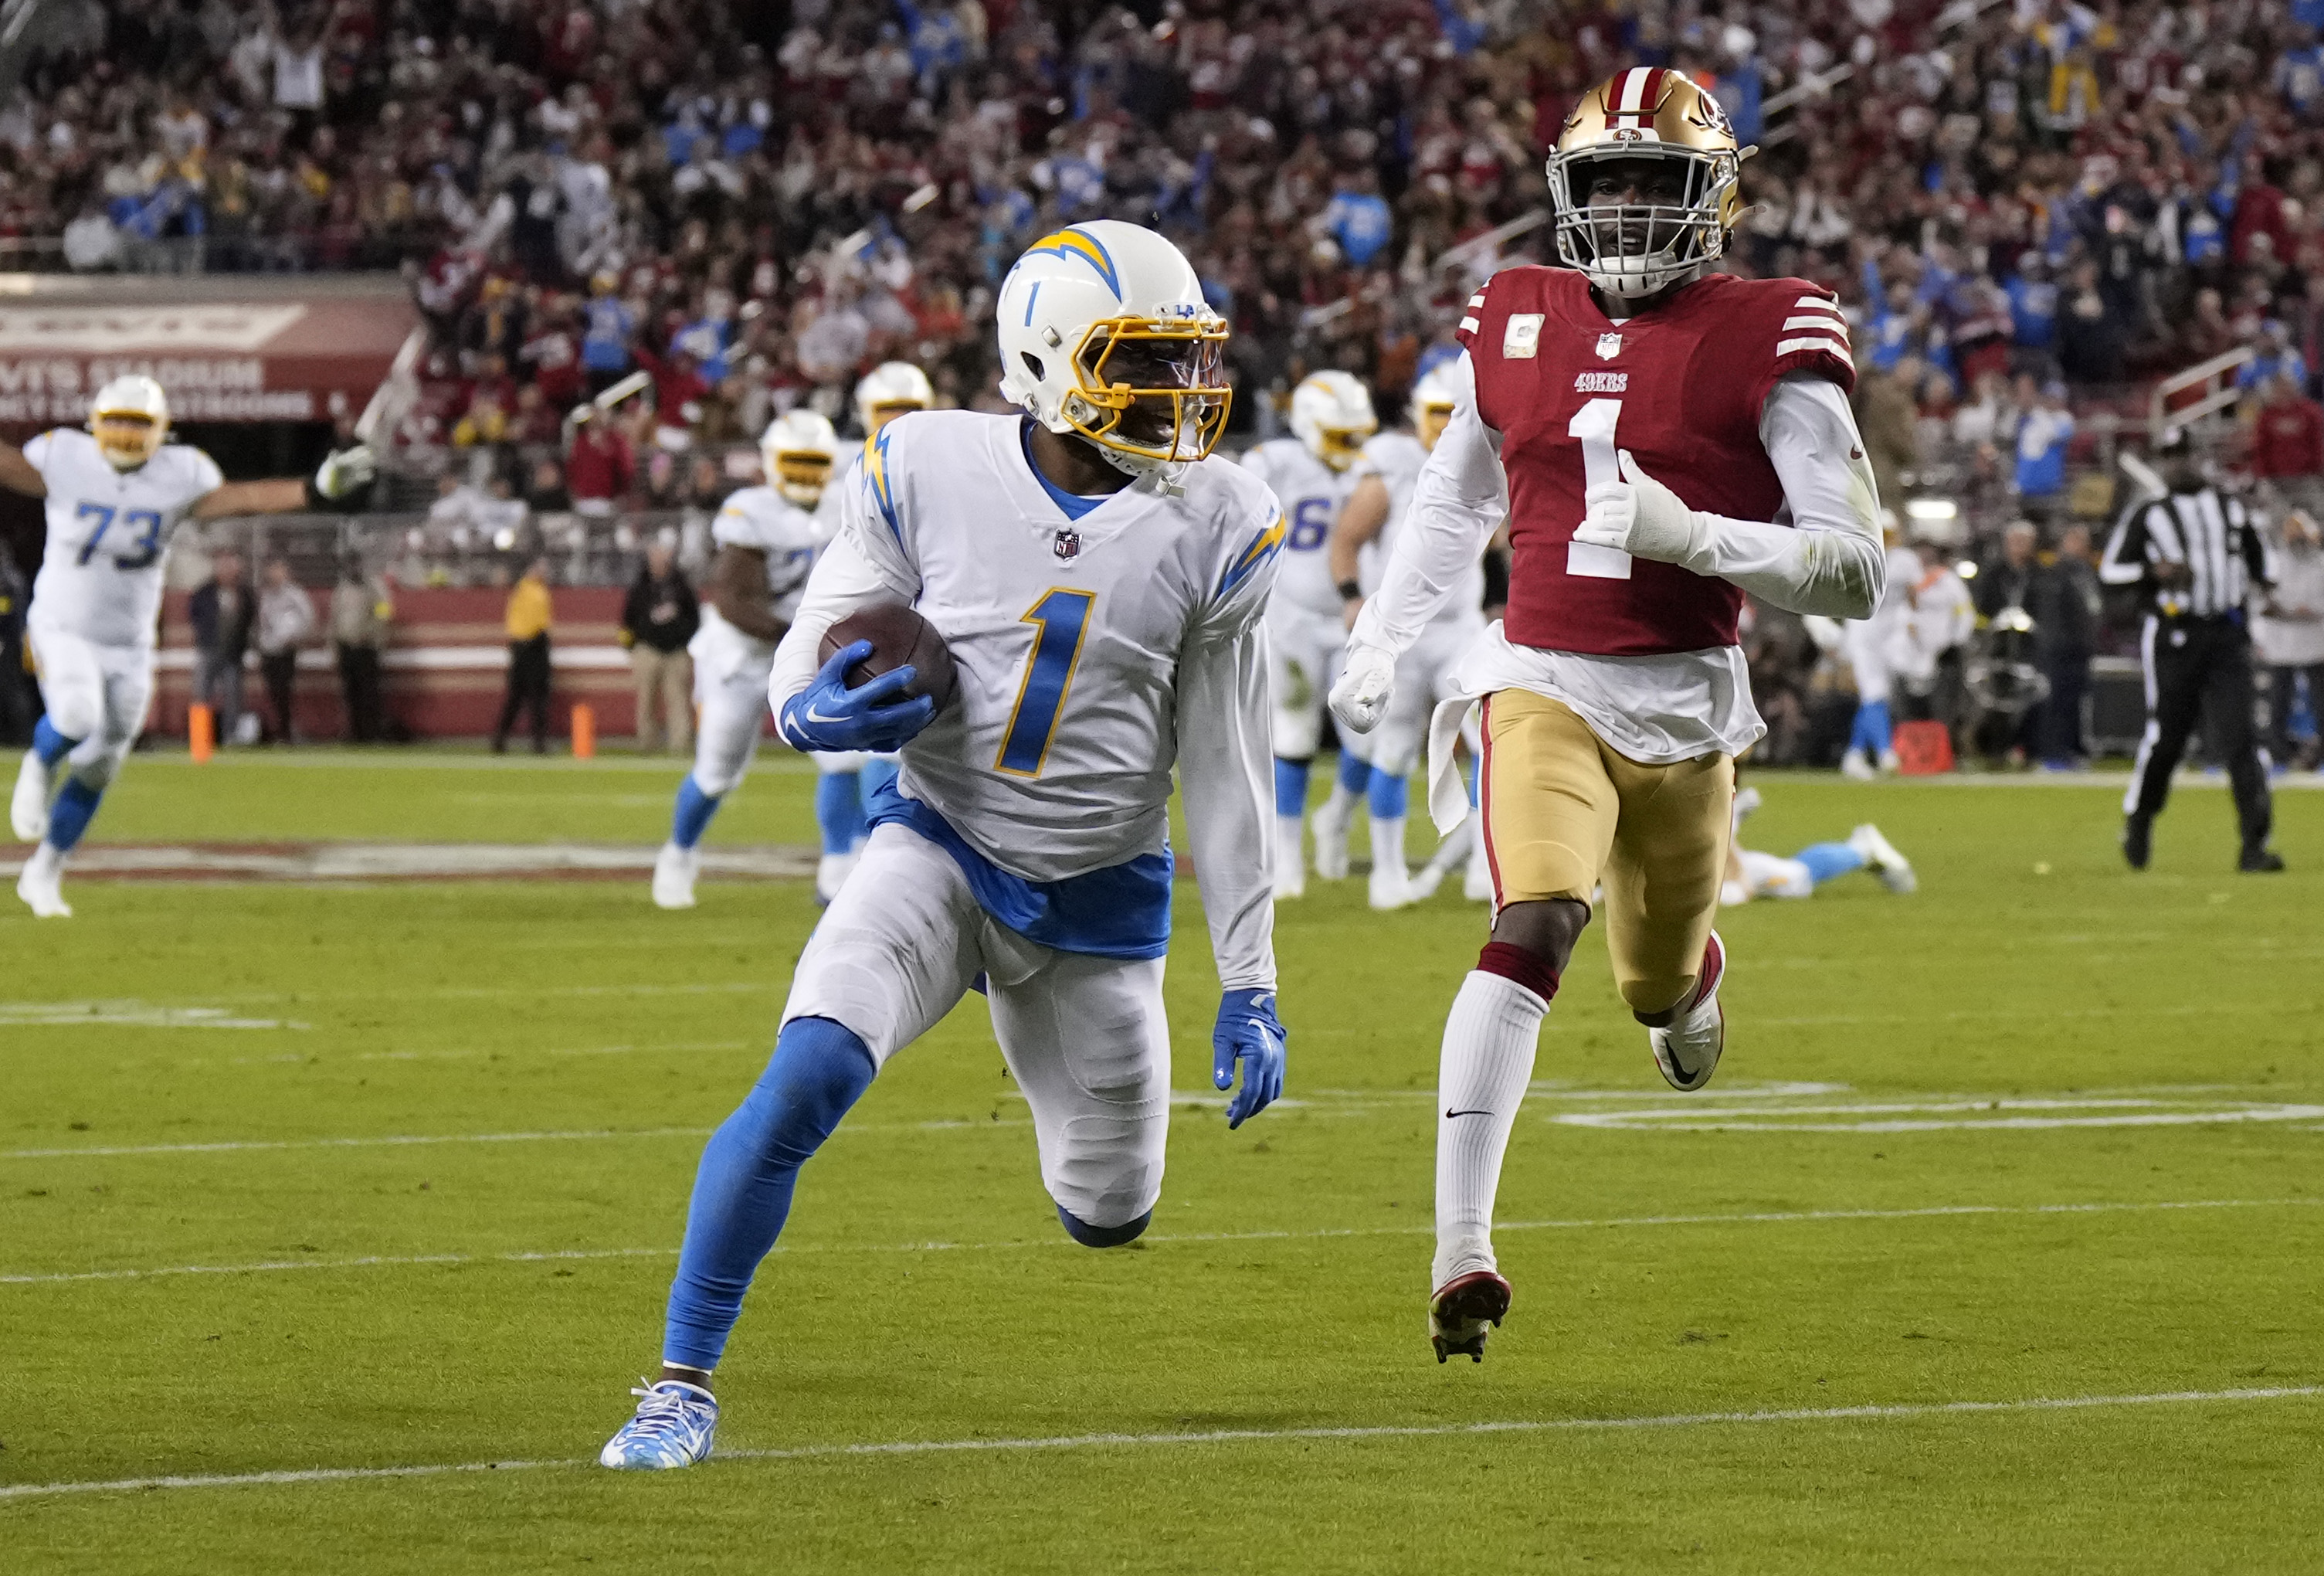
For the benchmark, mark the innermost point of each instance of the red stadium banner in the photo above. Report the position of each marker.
(268, 358)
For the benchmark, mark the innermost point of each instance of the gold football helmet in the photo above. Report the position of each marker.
(130, 417)
(1644, 181)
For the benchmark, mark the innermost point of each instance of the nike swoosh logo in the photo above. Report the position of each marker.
(1450, 1115)
(814, 716)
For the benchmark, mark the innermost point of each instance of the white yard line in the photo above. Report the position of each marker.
(1609, 1223)
(1221, 1436)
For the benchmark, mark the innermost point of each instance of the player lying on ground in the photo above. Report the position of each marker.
(845, 780)
(116, 495)
(768, 537)
(1751, 873)
(1386, 472)
(1661, 439)
(1099, 584)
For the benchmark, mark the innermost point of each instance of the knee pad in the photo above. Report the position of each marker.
(98, 773)
(77, 711)
(1105, 1173)
(1090, 1236)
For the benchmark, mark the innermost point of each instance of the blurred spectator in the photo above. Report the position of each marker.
(16, 702)
(658, 620)
(2273, 357)
(2287, 448)
(600, 468)
(221, 612)
(529, 617)
(2006, 580)
(1924, 652)
(286, 626)
(2043, 432)
(2064, 603)
(2288, 640)
(1885, 417)
(361, 613)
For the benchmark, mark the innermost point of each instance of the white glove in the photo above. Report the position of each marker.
(1640, 516)
(344, 471)
(1361, 697)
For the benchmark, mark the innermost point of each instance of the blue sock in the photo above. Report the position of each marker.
(742, 1191)
(49, 745)
(69, 817)
(1826, 860)
(1290, 788)
(1355, 774)
(876, 775)
(1390, 796)
(839, 810)
(1872, 731)
(692, 817)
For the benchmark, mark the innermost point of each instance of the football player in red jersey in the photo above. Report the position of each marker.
(1662, 439)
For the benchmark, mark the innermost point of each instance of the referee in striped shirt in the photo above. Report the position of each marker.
(2195, 558)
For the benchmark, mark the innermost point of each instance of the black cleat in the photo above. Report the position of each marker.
(1461, 1312)
(2260, 861)
(2138, 840)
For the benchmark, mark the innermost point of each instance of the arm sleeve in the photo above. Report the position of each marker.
(2124, 562)
(1457, 505)
(864, 565)
(1225, 775)
(1828, 559)
(2257, 561)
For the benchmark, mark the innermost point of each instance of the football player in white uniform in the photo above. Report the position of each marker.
(1311, 473)
(1751, 873)
(115, 496)
(1384, 472)
(846, 778)
(1100, 585)
(767, 537)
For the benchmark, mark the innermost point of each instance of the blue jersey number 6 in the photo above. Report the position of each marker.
(1063, 619)
(1311, 523)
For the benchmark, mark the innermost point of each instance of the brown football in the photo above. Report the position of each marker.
(899, 635)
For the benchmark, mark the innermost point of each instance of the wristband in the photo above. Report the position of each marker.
(1351, 591)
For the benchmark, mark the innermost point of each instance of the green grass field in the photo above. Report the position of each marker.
(356, 1184)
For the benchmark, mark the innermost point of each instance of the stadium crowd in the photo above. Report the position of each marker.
(2028, 207)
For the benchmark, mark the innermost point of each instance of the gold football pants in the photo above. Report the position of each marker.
(1563, 812)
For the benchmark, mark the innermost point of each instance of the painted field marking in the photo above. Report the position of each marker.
(129, 1014)
(1876, 1413)
(1608, 1223)
(1965, 1113)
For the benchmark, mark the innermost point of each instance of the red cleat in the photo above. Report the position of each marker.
(1462, 1310)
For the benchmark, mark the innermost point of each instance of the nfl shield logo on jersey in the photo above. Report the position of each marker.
(1068, 545)
(1608, 346)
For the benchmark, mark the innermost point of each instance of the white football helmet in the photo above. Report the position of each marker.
(130, 417)
(1332, 414)
(798, 450)
(1431, 404)
(889, 390)
(1104, 333)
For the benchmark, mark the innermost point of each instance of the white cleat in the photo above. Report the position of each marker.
(41, 885)
(1857, 766)
(673, 1428)
(673, 878)
(1330, 825)
(1391, 888)
(1290, 868)
(1891, 761)
(28, 809)
(1894, 870)
(831, 873)
(1687, 1051)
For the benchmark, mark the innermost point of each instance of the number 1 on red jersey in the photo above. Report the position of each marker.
(1593, 426)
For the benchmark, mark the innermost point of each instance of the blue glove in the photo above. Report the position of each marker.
(829, 715)
(1248, 1032)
